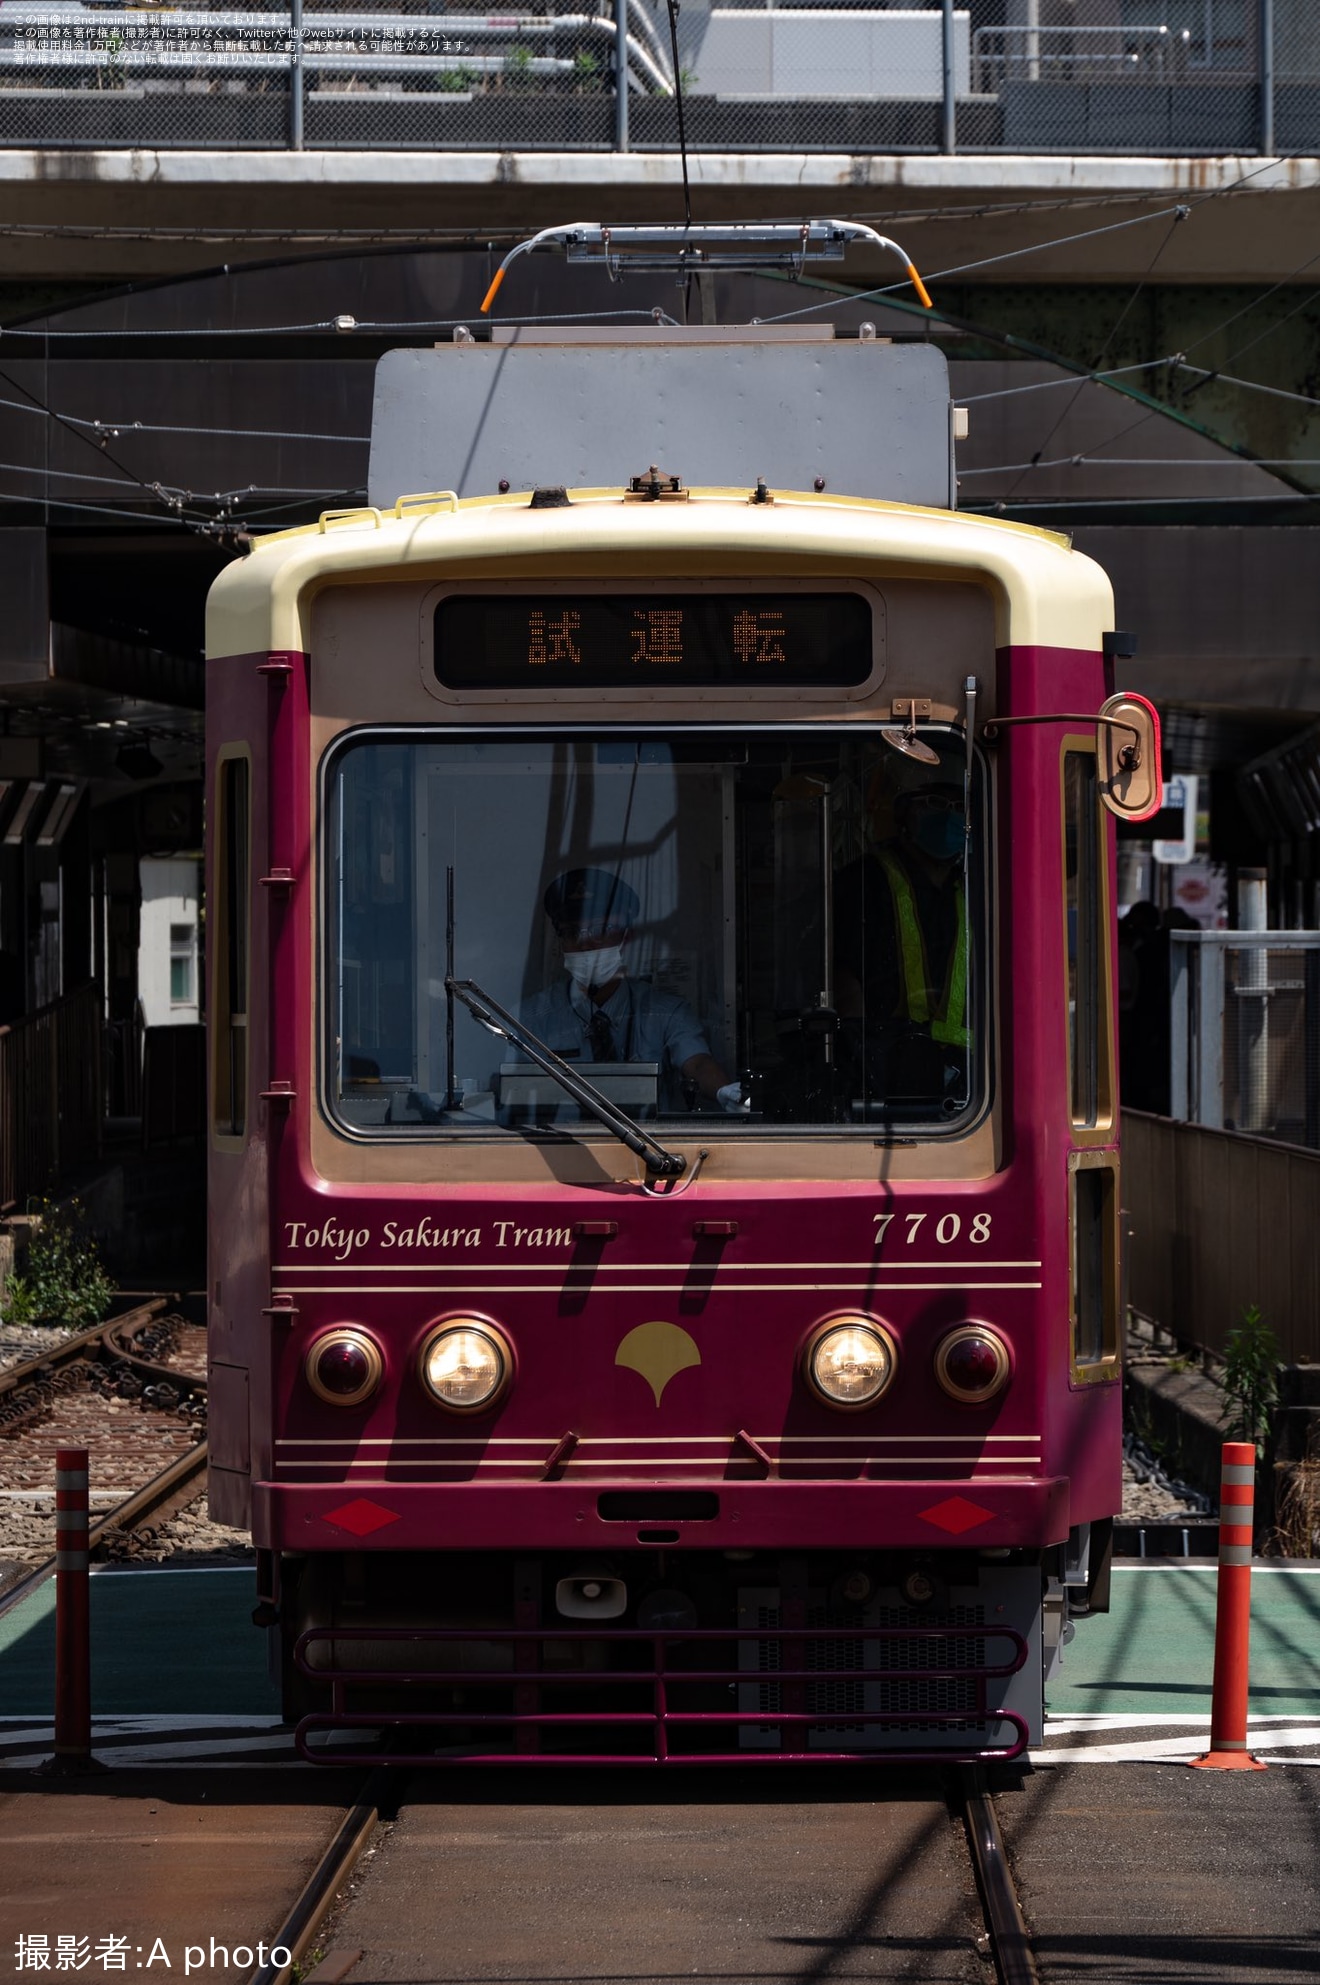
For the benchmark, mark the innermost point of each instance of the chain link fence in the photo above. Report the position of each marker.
(1176, 77)
(1245, 1032)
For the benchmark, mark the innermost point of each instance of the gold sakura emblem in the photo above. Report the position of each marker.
(659, 1351)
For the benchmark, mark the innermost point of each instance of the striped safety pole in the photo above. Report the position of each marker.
(1228, 1709)
(73, 1640)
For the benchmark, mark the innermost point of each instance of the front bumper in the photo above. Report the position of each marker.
(374, 1513)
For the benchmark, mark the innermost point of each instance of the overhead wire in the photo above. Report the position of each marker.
(678, 105)
(150, 489)
(177, 489)
(1069, 379)
(1182, 207)
(1258, 386)
(1024, 348)
(76, 475)
(478, 237)
(1212, 373)
(1179, 358)
(1047, 503)
(1066, 203)
(103, 430)
(1255, 303)
(343, 329)
(92, 509)
(1090, 460)
(1173, 361)
(1180, 214)
(178, 501)
(116, 429)
(123, 427)
(985, 262)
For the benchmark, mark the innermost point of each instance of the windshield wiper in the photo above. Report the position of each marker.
(665, 1164)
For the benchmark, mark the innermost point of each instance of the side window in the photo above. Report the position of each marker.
(1094, 1276)
(182, 945)
(1089, 1069)
(230, 912)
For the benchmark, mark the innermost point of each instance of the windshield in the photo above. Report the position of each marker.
(777, 928)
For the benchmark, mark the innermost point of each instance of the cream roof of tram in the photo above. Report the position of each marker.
(1045, 593)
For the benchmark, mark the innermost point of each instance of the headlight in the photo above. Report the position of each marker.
(972, 1364)
(850, 1360)
(344, 1367)
(465, 1364)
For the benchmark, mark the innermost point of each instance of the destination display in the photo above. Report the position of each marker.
(619, 640)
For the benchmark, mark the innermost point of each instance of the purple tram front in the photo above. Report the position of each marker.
(664, 1176)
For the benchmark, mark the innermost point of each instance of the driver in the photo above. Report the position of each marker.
(596, 1013)
(901, 953)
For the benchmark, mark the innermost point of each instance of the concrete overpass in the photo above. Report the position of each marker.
(79, 216)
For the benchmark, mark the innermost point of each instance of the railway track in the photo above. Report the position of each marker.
(1004, 1942)
(123, 1360)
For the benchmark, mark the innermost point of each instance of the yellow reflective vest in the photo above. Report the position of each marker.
(948, 1023)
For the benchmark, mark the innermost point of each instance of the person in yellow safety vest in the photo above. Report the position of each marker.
(901, 949)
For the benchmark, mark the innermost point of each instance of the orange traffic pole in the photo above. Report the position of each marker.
(1228, 1709)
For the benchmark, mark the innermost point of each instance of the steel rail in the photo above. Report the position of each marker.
(165, 1491)
(146, 1367)
(156, 1497)
(162, 1494)
(318, 1895)
(1010, 1938)
(86, 1340)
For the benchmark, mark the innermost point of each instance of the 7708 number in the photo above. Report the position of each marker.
(946, 1229)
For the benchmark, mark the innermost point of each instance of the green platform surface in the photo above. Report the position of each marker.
(163, 1642)
(1154, 1650)
(183, 1642)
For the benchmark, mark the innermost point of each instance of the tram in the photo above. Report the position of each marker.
(664, 1190)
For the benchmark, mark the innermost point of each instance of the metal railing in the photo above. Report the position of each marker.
(1244, 1047)
(596, 76)
(1003, 55)
(50, 1094)
(654, 1705)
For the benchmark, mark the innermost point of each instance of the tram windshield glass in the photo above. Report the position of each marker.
(754, 930)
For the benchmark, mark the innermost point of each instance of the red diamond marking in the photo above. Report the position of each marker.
(361, 1517)
(956, 1515)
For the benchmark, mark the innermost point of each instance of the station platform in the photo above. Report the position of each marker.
(179, 1671)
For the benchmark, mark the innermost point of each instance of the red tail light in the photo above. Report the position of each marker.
(973, 1364)
(344, 1367)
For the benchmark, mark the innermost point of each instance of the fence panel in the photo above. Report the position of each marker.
(1211, 77)
(1217, 1221)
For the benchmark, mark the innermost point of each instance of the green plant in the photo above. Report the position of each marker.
(1251, 1378)
(518, 64)
(63, 1280)
(586, 70)
(455, 82)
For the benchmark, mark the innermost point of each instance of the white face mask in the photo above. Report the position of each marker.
(594, 968)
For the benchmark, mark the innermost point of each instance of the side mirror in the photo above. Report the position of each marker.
(1127, 752)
